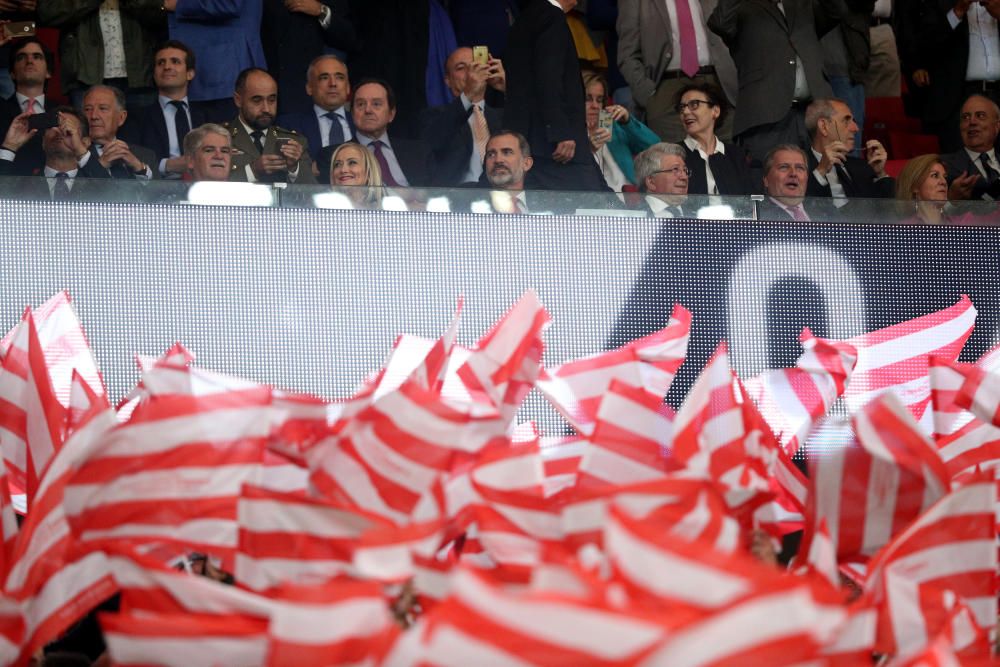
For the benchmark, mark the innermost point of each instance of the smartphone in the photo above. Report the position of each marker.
(480, 54)
(43, 121)
(605, 120)
(20, 28)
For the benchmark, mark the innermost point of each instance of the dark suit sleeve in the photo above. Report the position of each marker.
(341, 34)
(6, 167)
(724, 20)
(446, 131)
(827, 15)
(552, 42)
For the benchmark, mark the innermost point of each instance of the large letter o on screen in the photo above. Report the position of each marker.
(756, 273)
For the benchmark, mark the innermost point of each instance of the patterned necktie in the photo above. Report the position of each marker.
(383, 164)
(686, 37)
(991, 173)
(60, 192)
(258, 140)
(480, 131)
(336, 135)
(181, 124)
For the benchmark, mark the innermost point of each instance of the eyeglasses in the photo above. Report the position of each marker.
(674, 172)
(693, 105)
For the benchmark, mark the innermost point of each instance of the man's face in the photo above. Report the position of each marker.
(30, 68)
(842, 126)
(211, 162)
(55, 142)
(787, 176)
(670, 179)
(258, 102)
(328, 85)
(170, 71)
(456, 70)
(979, 124)
(103, 115)
(370, 109)
(505, 164)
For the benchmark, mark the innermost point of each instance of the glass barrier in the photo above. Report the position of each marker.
(489, 202)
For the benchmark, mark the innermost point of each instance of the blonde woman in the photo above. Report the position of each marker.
(924, 182)
(354, 168)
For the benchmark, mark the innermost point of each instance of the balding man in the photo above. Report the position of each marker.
(457, 132)
(973, 170)
(786, 175)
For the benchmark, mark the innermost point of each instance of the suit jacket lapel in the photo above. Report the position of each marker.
(160, 128)
(771, 7)
(661, 9)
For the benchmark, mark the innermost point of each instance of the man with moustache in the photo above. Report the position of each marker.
(662, 175)
(262, 151)
(507, 161)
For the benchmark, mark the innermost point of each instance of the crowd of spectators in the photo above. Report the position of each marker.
(585, 87)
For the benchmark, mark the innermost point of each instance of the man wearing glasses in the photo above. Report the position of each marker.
(662, 175)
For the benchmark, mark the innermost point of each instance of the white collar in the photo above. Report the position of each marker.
(51, 173)
(693, 144)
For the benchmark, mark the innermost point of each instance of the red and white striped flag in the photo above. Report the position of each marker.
(719, 433)
(506, 362)
(577, 388)
(791, 399)
(963, 441)
(951, 546)
(868, 492)
(173, 473)
(184, 640)
(288, 538)
(896, 358)
(787, 623)
(32, 420)
(659, 568)
(629, 439)
(484, 624)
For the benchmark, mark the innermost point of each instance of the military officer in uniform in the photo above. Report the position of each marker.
(261, 151)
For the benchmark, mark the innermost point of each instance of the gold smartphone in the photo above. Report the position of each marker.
(480, 54)
(19, 28)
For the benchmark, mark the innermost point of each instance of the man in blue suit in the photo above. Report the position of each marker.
(328, 123)
(225, 36)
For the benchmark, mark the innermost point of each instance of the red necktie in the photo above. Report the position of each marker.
(383, 164)
(31, 105)
(687, 38)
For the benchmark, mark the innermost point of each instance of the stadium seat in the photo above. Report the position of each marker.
(893, 167)
(904, 145)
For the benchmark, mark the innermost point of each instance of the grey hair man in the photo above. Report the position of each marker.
(208, 150)
(661, 172)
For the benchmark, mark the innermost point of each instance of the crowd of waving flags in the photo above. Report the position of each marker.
(417, 522)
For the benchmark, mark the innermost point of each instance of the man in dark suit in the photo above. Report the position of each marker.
(973, 171)
(31, 65)
(457, 132)
(294, 34)
(934, 43)
(659, 58)
(404, 162)
(67, 159)
(262, 151)
(779, 62)
(545, 99)
(833, 171)
(104, 108)
(786, 175)
(162, 126)
(328, 123)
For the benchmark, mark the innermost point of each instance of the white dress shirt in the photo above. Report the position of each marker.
(390, 157)
(692, 143)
